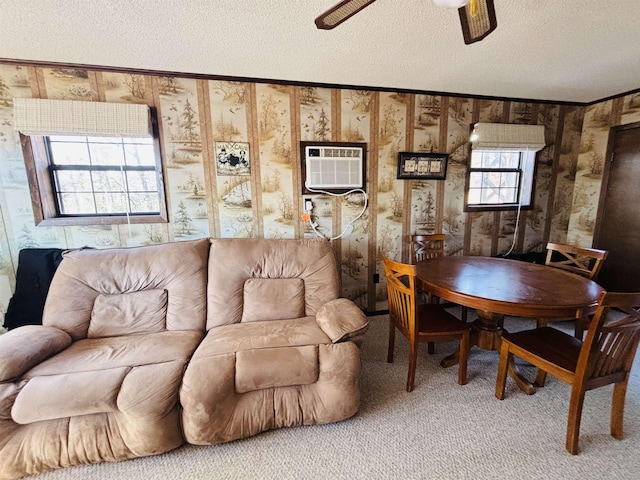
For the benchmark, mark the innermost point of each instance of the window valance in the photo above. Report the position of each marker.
(36, 116)
(508, 137)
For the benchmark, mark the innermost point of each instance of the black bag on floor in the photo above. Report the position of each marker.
(36, 267)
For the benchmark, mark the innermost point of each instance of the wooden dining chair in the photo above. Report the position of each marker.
(424, 247)
(582, 261)
(420, 323)
(604, 357)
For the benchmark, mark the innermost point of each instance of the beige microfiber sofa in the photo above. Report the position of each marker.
(204, 341)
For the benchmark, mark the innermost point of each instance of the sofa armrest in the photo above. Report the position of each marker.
(342, 320)
(26, 346)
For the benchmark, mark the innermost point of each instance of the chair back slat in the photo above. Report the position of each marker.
(424, 247)
(613, 336)
(586, 262)
(401, 293)
(609, 353)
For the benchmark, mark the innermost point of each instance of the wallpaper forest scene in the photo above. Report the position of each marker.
(232, 168)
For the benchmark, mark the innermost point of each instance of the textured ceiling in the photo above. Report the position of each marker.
(558, 50)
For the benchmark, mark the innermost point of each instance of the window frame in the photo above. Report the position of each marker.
(43, 192)
(508, 206)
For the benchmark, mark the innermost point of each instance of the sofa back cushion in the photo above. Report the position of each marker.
(241, 274)
(273, 299)
(128, 313)
(179, 268)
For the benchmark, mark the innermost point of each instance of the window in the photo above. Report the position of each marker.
(103, 175)
(502, 167)
(500, 179)
(91, 163)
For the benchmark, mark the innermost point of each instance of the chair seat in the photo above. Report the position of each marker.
(550, 344)
(420, 323)
(433, 318)
(604, 357)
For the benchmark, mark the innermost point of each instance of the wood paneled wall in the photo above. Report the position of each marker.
(197, 112)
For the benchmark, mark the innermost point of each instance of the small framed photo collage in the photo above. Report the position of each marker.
(422, 165)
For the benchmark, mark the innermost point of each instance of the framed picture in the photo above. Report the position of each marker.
(232, 158)
(422, 165)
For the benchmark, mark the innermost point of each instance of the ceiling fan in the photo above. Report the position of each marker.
(477, 17)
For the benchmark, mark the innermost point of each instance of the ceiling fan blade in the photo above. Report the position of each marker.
(477, 20)
(340, 12)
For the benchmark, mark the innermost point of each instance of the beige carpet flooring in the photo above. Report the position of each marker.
(439, 431)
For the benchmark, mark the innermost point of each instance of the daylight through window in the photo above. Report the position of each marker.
(103, 175)
(91, 163)
(502, 166)
(500, 179)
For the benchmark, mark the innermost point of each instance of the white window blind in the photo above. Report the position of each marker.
(36, 116)
(508, 137)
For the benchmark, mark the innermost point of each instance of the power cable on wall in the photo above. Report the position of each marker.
(348, 225)
(515, 230)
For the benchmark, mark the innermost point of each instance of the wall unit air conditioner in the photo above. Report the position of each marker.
(334, 167)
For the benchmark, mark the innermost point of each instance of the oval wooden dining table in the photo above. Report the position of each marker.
(496, 287)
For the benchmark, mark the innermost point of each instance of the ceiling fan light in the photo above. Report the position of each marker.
(450, 3)
(476, 27)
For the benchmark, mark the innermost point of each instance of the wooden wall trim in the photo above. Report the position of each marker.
(372, 194)
(256, 186)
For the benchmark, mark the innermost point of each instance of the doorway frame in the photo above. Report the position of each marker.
(608, 160)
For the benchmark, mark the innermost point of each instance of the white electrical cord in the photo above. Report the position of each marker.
(364, 208)
(124, 180)
(515, 231)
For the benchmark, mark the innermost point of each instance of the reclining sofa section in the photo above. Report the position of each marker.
(207, 340)
(277, 350)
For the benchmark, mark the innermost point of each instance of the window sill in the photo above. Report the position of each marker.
(495, 208)
(105, 220)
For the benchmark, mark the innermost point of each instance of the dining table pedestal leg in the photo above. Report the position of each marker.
(486, 333)
(487, 330)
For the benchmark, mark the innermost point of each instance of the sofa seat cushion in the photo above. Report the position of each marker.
(268, 354)
(257, 335)
(138, 375)
(215, 411)
(95, 354)
(68, 395)
(276, 367)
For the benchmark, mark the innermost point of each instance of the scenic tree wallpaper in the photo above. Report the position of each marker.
(232, 168)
